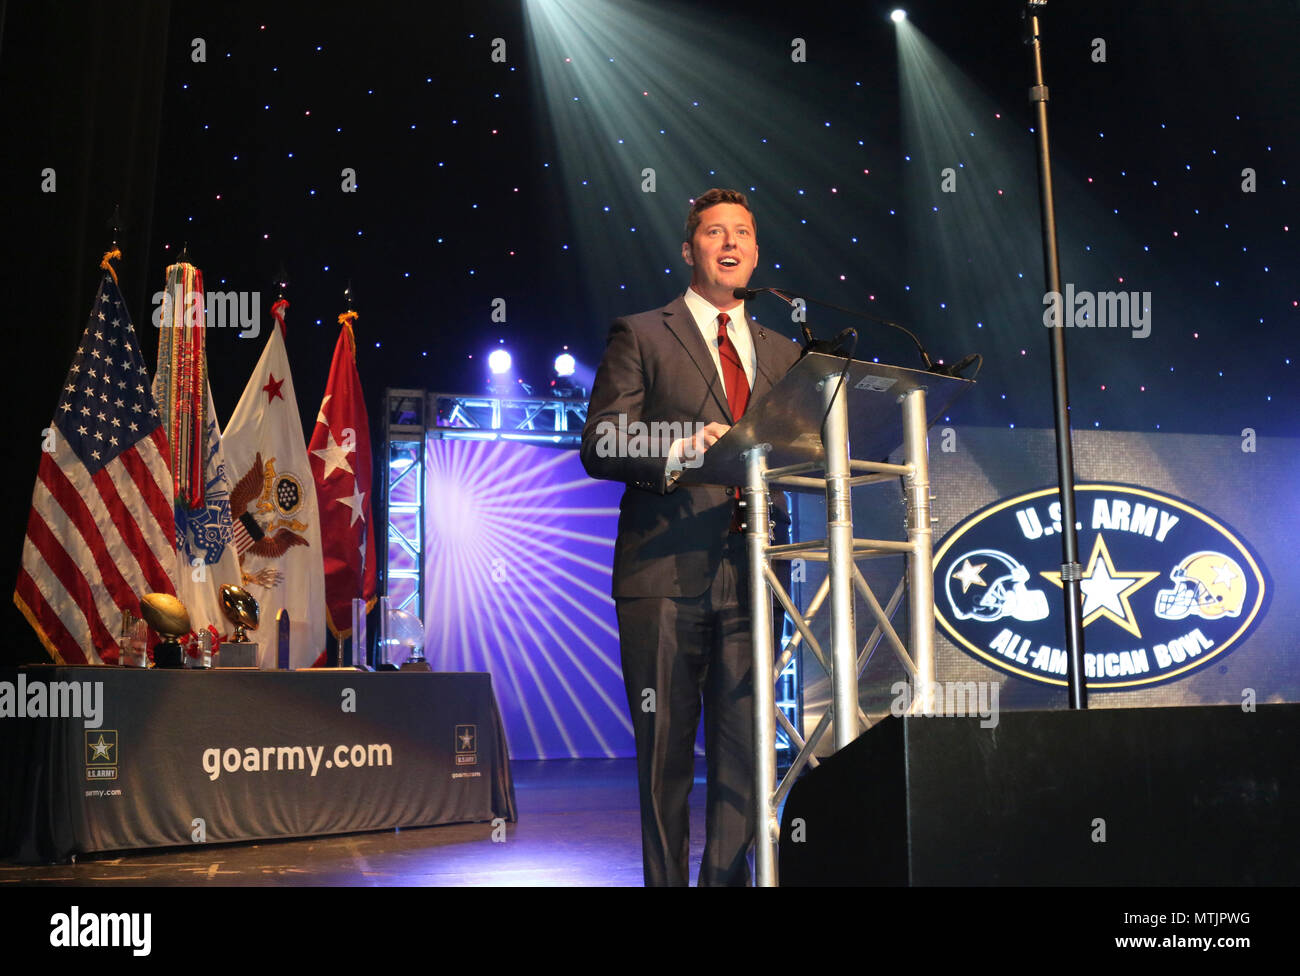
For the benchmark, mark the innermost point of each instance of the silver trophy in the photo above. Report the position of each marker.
(242, 610)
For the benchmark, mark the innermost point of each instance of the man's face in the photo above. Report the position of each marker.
(723, 253)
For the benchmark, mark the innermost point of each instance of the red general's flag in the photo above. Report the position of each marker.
(340, 461)
(101, 532)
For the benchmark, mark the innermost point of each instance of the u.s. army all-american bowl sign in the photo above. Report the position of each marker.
(1167, 587)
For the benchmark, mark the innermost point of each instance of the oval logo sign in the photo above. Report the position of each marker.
(1167, 588)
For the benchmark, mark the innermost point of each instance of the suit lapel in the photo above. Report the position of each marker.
(681, 323)
(768, 371)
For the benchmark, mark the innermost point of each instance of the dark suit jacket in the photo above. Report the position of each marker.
(657, 370)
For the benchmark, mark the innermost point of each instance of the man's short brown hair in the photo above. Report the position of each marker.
(711, 198)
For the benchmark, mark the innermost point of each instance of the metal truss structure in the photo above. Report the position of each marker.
(535, 420)
(414, 416)
(841, 551)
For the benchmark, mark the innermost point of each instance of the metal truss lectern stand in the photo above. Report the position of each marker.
(809, 423)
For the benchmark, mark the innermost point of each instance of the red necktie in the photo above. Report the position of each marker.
(733, 378)
(733, 373)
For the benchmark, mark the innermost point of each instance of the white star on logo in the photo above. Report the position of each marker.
(1107, 590)
(969, 575)
(1103, 590)
(99, 750)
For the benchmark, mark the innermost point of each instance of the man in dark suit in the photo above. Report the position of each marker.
(671, 383)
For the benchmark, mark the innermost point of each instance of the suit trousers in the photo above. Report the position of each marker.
(679, 654)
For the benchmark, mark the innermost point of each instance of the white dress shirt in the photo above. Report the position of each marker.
(706, 319)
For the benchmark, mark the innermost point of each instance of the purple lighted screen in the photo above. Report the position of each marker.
(519, 543)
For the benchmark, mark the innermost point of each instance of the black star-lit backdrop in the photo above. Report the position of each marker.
(464, 197)
(499, 152)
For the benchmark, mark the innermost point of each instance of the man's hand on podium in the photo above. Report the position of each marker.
(686, 452)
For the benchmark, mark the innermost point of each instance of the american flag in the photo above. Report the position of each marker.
(101, 532)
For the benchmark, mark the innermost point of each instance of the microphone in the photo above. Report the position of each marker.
(748, 294)
(814, 346)
(956, 368)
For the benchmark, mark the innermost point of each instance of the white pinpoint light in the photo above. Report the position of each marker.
(898, 16)
(499, 361)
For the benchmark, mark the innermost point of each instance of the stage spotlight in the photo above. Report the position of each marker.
(565, 364)
(898, 16)
(499, 361)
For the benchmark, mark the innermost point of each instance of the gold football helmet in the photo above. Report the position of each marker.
(1207, 584)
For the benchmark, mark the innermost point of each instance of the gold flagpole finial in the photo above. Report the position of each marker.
(113, 255)
(346, 319)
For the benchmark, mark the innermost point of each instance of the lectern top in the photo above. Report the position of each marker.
(789, 417)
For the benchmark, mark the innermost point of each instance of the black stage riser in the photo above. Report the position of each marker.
(1202, 795)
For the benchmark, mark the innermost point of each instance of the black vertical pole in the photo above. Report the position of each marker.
(1070, 569)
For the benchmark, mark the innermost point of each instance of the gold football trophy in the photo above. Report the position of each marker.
(168, 616)
(242, 610)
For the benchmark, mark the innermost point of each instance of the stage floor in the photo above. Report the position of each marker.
(578, 825)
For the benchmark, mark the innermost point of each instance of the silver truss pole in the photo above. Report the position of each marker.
(766, 827)
(839, 559)
(920, 579)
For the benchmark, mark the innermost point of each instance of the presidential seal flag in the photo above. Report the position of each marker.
(205, 551)
(100, 532)
(277, 522)
(340, 459)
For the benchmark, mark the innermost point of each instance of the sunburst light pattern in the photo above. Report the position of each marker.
(518, 547)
